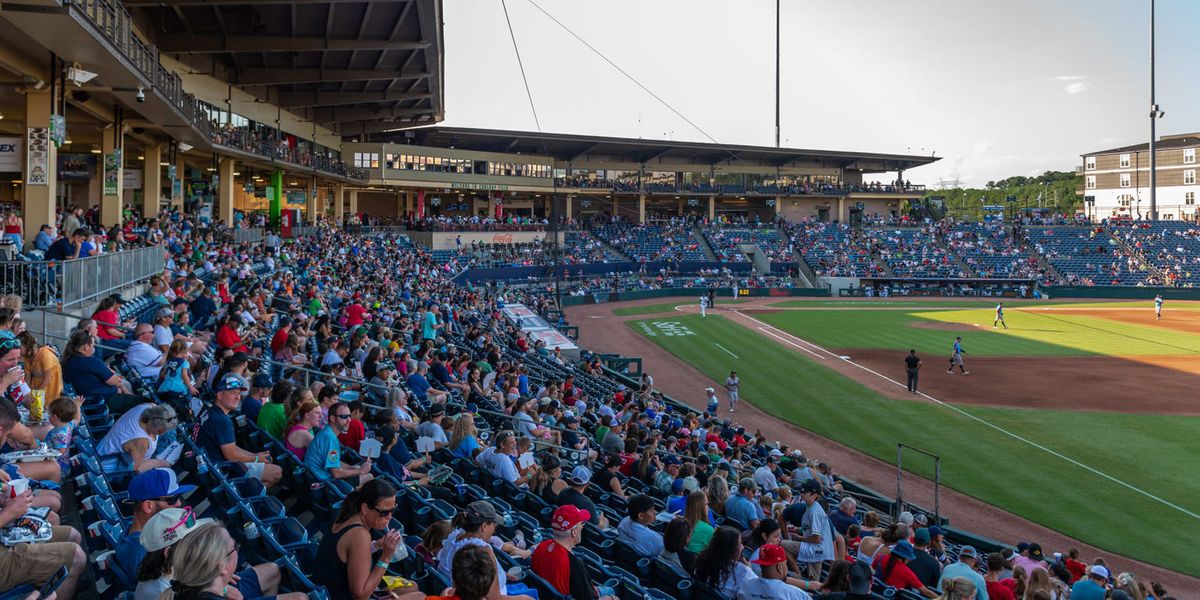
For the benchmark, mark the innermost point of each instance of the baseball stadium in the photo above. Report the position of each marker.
(270, 327)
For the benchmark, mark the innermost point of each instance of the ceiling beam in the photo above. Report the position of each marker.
(261, 76)
(154, 3)
(342, 115)
(309, 99)
(213, 44)
(359, 128)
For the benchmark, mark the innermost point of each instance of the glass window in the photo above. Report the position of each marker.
(1189, 177)
(1091, 182)
(1189, 155)
(1125, 180)
(1089, 163)
(1124, 161)
(1189, 198)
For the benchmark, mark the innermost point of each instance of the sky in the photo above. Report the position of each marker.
(995, 88)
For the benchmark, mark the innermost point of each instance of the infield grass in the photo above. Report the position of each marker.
(651, 309)
(1159, 454)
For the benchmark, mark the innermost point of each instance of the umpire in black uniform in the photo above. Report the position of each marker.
(912, 366)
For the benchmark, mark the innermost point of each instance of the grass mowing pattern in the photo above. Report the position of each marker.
(1030, 333)
(1157, 454)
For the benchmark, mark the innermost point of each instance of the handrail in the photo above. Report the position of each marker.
(70, 282)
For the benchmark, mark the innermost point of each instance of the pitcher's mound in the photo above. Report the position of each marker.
(941, 326)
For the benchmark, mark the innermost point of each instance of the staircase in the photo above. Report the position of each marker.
(704, 245)
(1043, 262)
(758, 260)
(611, 248)
(1131, 251)
(962, 264)
(807, 276)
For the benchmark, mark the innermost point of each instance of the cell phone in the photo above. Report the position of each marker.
(52, 585)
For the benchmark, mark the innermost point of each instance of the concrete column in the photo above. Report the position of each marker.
(679, 207)
(151, 180)
(570, 206)
(225, 191)
(354, 202)
(408, 202)
(841, 213)
(642, 209)
(778, 205)
(491, 210)
(712, 208)
(614, 206)
(312, 207)
(110, 204)
(38, 207)
(420, 204)
(339, 198)
(181, 175)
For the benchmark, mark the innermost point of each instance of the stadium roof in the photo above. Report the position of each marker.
(356, 66)
(1186, 140)
(568, 147)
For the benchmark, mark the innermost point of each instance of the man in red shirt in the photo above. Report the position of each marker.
(281, 335)
(355, 314)
(554, 561)
(893, 569)
(997, 590)
(1074, 566)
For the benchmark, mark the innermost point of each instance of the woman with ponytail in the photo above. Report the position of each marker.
(203, 565)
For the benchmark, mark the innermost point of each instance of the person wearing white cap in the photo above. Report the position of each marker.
(965, 568)
(1093, 587)
(712, 402)
(158, 535)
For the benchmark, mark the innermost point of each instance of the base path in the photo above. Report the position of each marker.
(601, 331)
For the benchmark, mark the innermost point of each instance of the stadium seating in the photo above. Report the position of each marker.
(725, 239)
(1172, 247)
(649, 243)
(914, 252)
(990, 250)
(834, 250)
(1086, 256)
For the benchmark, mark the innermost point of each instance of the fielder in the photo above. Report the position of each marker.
(1158, 307)
(731, 386)
(703, 306)
(999, 316)
(957, 359)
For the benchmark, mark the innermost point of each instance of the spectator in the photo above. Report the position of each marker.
(272, 417)
(554, 561)
(607, 479)
(355, 430)
(635, 529)
(348, 570)
(36, 563)
(204, 566)
(893, 570)
(474, 526)
(44, 239)
(772, 581)
(463, 443)
(260, 394)
(216, 434)
(577, 483)
(958, 588)
(142, 356)
(67, 248)
(817, 537)
(133, 440)
(42, 369)
(858, 584)
(965, 569)
(1093, 587)
(675, 541)
(500, 460)
(92, 379)
(304, 419)
(324, 454)
(742, 508)
(845, 515)
(1031, 559)
(721, 564)
(163, 531)
(996, 589)
(925, 566)
(697, 516)
(150, 493)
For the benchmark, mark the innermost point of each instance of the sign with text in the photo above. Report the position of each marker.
(10, 155)
(112, 172)
(37, 156)
(75, 166)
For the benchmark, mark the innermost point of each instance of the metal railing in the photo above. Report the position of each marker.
(115, 24)
(305, 231)
(251, 235)
(72, 282)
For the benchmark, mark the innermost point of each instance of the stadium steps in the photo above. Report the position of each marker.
(957, 259)
(804, 272)
(1043, 262)
(611, 248)
(1134, 252)
(704, 245)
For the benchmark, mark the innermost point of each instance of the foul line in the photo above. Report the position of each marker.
(789, 342)
(725, 349)
(979, 420)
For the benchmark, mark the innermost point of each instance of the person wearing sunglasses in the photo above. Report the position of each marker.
(353, 563)
(324, 454)
(150, 493)
(216, 436)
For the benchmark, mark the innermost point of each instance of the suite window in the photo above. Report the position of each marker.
(366, 160)
(1091, 182)
(1124, 161)
(1126, 180)
(1189, 155)
(1189, 177)
(1089, 163)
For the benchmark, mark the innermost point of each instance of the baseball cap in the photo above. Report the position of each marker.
(860, 578)
(580, 475)
(677, 486)
(1035, 551)
(1023, 546)
(169, 526)
(567, 517)
(672, 460)
(770, 554)
(1098, 571)
(164, 313)
(921, 536)
(691, 484)
(230, 382)
(385, 365)
(935, 530)
(482, 511)
(263, 380)
(155, 484)
(967, 552)
(810, 486)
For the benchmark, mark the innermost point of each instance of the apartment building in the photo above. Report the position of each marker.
(1118, 180)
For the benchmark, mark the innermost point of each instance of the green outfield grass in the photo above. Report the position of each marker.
(1157, 454)
(1030, 333)
(650, 309)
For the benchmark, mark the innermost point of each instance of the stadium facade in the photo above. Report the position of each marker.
(1116, 182)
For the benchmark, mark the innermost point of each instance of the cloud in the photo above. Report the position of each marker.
(1076, 87)
(1069, 78)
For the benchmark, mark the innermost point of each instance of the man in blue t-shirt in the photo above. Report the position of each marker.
(149, 493)
(430, 325)
(742, 506)
(217, 439)
(418, 383)
(324, 454)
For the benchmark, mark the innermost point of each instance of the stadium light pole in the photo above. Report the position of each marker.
(777, 73)
(1155, 114)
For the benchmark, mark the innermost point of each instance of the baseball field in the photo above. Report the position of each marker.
(1083, 417)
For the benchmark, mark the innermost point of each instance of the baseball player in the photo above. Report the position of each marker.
(1158, 307)
(703, 306)
(957, 359)
(713, 402)
(731, 386)
(999, 316)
